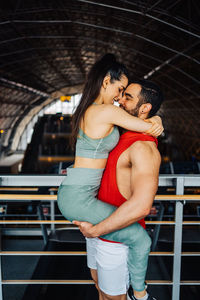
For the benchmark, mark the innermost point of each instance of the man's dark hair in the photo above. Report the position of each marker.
(150, 93)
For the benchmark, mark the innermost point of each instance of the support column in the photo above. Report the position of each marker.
(178, 240)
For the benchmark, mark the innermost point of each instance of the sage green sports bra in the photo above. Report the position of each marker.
(96, 148)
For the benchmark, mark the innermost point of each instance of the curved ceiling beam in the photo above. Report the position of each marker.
(164, 74)
(57, 71)
(96, 13)
(178, 83)
(101, 27)
(127, 21)
(125, 10)
(162, 64)
(29, 72)
(149, 67)
(23, 87)
(109, 29)
(21, 123)
(168, 61)
(164, 12)
(143, 14)
(76, 22)
(37, 48)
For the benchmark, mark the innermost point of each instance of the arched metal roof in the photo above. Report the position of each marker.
(46, 46)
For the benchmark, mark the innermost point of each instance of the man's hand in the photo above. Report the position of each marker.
(85, 228)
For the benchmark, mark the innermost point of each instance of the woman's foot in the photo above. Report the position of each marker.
(130, 296)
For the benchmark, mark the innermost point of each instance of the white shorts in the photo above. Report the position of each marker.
(110, 261)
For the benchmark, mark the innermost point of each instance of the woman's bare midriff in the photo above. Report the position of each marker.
(93, 163)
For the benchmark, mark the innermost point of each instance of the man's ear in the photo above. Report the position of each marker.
(106, 81)
(145, 108)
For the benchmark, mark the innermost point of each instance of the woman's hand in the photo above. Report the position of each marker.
(86, 228)
(156, 128)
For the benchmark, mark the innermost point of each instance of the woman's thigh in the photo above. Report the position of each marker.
(79, 203)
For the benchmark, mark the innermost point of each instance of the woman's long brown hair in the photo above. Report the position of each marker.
(107, 65)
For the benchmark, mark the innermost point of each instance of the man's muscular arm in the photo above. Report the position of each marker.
(145, 160)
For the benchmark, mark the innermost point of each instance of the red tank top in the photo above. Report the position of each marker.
(109, 191)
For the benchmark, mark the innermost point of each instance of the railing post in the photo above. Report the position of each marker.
(52, 206)
(157, 227)
(43, 226)
(178, 240)
(1, 286)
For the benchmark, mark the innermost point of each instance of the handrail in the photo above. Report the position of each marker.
(177, 181)
(55, 180)
(68, 222)
(31, 197)
(68, 281)
(27, 189)
(45, 197)
(83, 253)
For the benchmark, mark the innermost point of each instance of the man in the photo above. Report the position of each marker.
(131, 174)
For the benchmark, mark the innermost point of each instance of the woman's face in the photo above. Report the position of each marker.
(113, 91)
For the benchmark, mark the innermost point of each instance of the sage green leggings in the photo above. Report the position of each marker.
(77, 201)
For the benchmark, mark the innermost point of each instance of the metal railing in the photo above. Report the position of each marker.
(177, 181)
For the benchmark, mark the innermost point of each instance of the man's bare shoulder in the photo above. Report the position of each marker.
(144, 150)
(144, 145)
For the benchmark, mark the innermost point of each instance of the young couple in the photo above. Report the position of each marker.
(131, 174)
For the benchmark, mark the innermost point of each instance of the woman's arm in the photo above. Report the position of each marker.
(114, 115)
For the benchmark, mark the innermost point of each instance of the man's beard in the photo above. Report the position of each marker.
(133, 112)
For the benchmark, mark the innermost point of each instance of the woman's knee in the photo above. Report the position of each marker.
(144, 240)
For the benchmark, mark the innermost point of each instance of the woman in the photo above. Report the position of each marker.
(94, 127)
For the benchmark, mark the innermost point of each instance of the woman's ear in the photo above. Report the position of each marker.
(106, 81)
